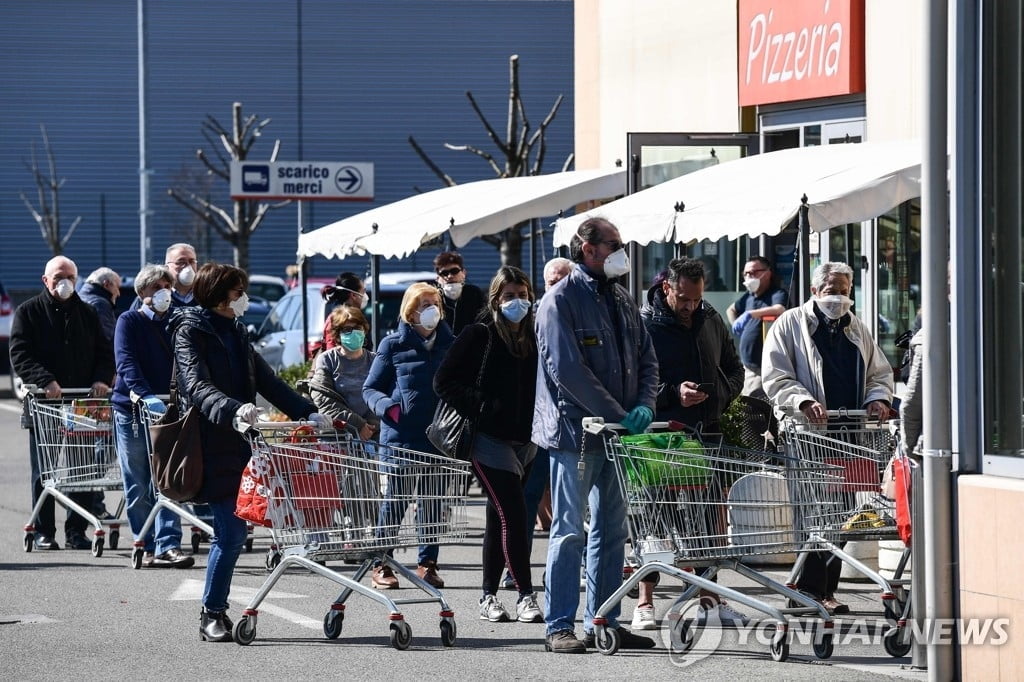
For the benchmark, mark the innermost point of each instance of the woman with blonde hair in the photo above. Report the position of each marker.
(339, 373)
(482, 377)
(399, 390)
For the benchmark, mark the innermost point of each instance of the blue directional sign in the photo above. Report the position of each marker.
(306, 180)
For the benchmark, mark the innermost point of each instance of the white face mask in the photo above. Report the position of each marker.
(617, 264)
(834, 307)
(752, 284)
(452, 290)
(64, 289)
(515, 310)
(187, 276)
(430, 317)
(239, 305)
(160, 301)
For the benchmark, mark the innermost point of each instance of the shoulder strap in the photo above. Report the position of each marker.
(483, 362)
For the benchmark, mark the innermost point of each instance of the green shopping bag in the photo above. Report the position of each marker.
(665, 459)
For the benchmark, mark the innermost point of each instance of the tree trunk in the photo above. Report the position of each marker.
(512, 246)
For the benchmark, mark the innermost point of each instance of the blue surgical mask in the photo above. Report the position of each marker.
(515, 310)
(352, 340)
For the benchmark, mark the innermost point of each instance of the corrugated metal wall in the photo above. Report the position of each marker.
(373, 73)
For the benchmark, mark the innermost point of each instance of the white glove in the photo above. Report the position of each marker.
(245, 418)
(321, 421)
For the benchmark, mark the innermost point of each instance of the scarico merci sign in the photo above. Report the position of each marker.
(306, 180)
(799, 49)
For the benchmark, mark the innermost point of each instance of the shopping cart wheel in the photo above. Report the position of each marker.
(113, 537)
(97, 546)
(897, 642)
(244, 631)
(824, 648)
(137, 554)
(401, 635)
(779, 647)
(248, 544)
(196, 539)
(606, 639)
(30, 540)
(448, 631)
(333, 622)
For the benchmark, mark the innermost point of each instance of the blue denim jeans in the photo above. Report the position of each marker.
(229, 533)
(396, 499)
(605, 543)
(139, 495)
(533, 491)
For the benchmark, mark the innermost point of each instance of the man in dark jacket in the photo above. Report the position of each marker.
(57, 343)
(101, 290)
(699, 374)
(462, 301)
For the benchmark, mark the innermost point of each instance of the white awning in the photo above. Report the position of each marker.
(761, 194)
(469, 210)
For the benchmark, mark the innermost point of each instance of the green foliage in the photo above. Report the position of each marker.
(732, 424)
(293, 374)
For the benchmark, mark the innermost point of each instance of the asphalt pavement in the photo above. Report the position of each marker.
(69, 615)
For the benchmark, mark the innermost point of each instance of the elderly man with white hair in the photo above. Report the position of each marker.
(101, 289)
(821, 357)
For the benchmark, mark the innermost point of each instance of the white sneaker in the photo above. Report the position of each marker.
(527, 610)
(492, 610)
(643, 618)
(721, 614)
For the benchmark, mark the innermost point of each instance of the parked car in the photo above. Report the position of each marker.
(279, 339)
(266, 288)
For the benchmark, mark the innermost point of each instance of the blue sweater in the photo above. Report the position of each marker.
(142, 353)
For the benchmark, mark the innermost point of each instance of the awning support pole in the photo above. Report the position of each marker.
(374, 288)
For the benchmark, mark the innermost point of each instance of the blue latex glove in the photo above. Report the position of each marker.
(155, 406)
(740, 323)
(638, 419)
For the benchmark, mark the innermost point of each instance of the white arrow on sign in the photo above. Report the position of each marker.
(192, 590)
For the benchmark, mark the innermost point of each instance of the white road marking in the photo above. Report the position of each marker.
(192, 590)
(11, 408)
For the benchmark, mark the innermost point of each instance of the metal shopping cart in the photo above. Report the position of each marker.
(852, 508)
(681, 516)
(323, 502)
(75, 442)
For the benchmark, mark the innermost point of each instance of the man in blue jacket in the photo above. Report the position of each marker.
(595, 360)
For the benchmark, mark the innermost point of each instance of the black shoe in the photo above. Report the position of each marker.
(77, 540)
(627, 640)
(172, 558)
(214, 627)
(45, 542)
(564, 642)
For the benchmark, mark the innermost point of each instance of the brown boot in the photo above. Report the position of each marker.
(383, 578)
(428, 572)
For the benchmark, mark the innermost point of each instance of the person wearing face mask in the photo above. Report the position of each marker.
(339, 373)
(463, 302)
(57, 342)
(595, 359)
(219, 374)
(763, 298)
(348, 291)
(142, 353)
(101, 290)
(400, 391)
(481, 377)
(821, 357)
(181, 260)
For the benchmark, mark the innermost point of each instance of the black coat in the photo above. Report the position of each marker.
(62, 341)
(717, 359)
(465, 310)
(506, 398)
(205, 380)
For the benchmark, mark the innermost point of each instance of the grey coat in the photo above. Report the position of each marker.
(910, 406)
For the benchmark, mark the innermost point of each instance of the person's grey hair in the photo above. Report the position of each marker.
(150, 274)
(102, 276)
(825, 270)
(179, 245)
(557, 265)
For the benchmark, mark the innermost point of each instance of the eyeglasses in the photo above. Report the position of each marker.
(349, 329)
(450, 272)
(611, 244)
(754, 273)
(183, 262)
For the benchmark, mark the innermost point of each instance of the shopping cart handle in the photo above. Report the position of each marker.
(33, 389)
(596, 425)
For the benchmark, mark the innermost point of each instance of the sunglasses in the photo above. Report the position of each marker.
(450, 272)
(613, 245)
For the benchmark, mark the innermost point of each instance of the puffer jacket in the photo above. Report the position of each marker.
(403, 374)
(205, 380)
(717, 357)
(791, 363)
(581, 371)
(910, 407)
(102, 302)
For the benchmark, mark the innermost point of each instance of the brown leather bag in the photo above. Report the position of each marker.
(176, 453)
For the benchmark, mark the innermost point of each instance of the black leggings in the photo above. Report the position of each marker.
(820, 574)
(505, 535)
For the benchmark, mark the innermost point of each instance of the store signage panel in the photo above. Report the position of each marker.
(799, 49)
(305, 180)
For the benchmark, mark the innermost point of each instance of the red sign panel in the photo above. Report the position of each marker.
(799, 49)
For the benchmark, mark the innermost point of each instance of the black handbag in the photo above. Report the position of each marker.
(451, 433)
(176, 450)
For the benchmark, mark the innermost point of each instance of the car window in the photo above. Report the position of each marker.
(268, 291)
(281, 317)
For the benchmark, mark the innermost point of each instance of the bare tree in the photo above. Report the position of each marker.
(238, 225)
(47, 215)
(521, 152)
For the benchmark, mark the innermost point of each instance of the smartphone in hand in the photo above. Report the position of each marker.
(707, 388)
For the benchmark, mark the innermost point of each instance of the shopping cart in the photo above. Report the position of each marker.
(852, 508)
(681, 516)
(201, 525)
(75, 442)
(324, 495)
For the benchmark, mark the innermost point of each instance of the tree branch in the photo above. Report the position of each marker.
(479, 152)
(502, 146)
(445, 178)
